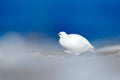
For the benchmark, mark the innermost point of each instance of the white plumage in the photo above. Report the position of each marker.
(74, 43)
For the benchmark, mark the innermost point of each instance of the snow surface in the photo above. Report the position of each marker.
(25, 59)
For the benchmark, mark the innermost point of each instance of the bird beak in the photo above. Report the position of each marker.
(58, 34)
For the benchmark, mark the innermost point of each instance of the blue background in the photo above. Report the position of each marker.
(94, 19)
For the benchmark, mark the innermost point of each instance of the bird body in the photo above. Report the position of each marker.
(74, 43)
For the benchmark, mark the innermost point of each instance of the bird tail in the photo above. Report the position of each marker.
(92, 50)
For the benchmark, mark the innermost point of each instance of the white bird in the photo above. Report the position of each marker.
(74, 43)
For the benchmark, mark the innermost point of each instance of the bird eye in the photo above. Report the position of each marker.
(59, 34)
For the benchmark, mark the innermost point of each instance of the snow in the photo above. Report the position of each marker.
(23, 59)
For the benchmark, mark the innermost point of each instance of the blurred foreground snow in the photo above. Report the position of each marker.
(24, 59)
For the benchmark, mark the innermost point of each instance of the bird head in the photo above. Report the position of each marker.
(62, 34)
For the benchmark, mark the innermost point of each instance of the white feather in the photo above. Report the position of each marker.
(75, 43)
